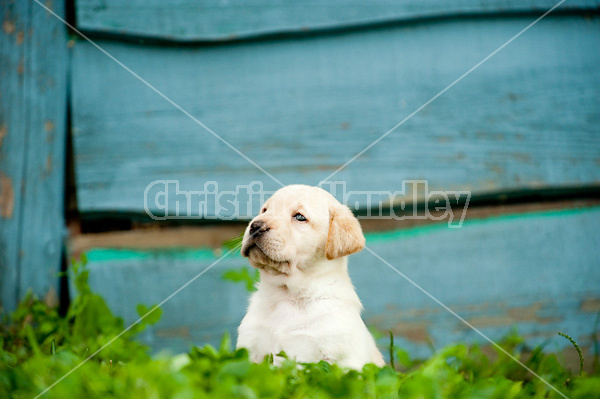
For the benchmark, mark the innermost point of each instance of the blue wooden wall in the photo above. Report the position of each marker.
(536, 271)
(33, 100)
(300, 90)
(214, 20)
(527, 119)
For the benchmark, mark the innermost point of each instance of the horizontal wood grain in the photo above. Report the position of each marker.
(526, 119)
(536, 271)
(208, 20)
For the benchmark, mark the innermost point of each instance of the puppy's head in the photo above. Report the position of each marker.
(299, 226)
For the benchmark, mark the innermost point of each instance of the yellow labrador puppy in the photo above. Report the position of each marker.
(305, 304)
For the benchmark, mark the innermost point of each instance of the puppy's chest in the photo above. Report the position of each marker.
(297, 316)
(290, 314)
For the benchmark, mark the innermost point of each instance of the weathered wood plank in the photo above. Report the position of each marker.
(189, 20)
(150, 239)
(32, 141)
(526, 119)
(12, 145)
(536, 271)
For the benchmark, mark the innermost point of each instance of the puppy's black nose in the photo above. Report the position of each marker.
(257, 228)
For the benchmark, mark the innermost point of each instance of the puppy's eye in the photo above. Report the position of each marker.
(299, 217)
(263, 210)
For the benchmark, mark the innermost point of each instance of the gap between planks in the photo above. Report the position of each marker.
(154, 236)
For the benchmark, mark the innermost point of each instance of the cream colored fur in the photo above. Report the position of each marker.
(305, 304)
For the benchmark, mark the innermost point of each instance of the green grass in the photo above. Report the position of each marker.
(38, 347)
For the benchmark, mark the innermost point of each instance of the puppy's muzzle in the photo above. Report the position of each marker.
(258, 228)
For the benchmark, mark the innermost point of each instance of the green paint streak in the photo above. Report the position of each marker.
(206, 254)
(112, 255)
(438, 227)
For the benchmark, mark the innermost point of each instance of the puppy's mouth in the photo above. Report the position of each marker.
(253, 250)
(248, 248)
(259, 259)
(254, 245)
(249, 245)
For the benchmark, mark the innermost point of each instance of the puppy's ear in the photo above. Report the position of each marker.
(345, 236)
